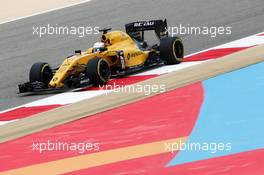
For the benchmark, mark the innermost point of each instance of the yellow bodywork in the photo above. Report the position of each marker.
(114, 41)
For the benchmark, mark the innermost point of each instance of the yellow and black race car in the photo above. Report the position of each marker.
(118, 53)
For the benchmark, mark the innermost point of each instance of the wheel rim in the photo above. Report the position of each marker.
(178, 49)
(104, 71)
(46, 74)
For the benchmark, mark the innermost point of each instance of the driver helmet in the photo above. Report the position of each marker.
(98, 46)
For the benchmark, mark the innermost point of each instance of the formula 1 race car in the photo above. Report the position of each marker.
(117, 54)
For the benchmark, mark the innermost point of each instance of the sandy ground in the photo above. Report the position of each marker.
(14, 9)
(112, 100)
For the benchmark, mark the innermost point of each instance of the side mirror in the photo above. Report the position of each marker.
(78, 52)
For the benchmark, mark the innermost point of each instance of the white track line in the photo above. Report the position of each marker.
(236, 43)
(247, 42)
(66, 98)
(45, 11)
(6, 122)
(171, 68)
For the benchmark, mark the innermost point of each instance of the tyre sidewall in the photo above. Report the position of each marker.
(168, 52)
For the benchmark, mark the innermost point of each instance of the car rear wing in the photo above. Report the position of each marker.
(136, 29)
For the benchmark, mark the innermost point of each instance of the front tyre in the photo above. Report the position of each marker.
(40, 72)
(171, 50)
(98, 71)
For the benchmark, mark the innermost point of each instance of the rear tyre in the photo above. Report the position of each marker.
(171, 50)
(98, 71)
(40, 72)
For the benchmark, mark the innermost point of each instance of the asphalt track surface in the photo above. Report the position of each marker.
(19, 49)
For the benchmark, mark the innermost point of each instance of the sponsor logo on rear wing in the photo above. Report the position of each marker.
(144, 24)
(159, 26)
